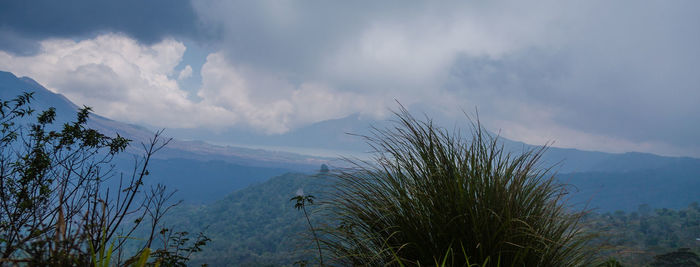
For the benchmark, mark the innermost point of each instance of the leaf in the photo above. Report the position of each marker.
(144, 257)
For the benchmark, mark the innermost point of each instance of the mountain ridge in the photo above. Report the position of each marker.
(12, 86)
(565, 160)
(221, 169)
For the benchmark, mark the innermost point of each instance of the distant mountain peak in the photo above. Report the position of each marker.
(329, 135)
(12, 86)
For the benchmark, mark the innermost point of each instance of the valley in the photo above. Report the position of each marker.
(239, 196)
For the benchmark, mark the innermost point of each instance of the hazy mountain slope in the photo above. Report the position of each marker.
(330, 134)
(588, 169)
(11, 86)
(672, 188)
(200, 171)
(326, 135)
(333, 135)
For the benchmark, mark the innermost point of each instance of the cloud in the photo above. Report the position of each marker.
(620, 82)
(146, 21)
(272, 104)
(366, 45)
(584, 72)
(119, 78)
(185, 73)
(386, 51)
(125, 80)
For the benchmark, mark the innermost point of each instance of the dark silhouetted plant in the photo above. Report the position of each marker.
(611, 262)
(300, 204)
(177, 247)
(682, 257)
(56, 207)
(427, 192)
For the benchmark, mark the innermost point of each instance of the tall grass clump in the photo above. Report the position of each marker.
(430, 196)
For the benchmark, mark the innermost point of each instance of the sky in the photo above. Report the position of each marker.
(602, 75)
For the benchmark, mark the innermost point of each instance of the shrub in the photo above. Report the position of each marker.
(58, 206)
(429, 195)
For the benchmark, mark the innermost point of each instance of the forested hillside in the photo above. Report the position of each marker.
(258, 225)
(255, 226)
(639, 237)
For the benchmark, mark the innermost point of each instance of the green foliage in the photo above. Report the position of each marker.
(143, 258)
(256, 226)
(301, 200)
(48, 174)
(635, 238)
(55, 207)
(101, 259)
(428, 190)
(178, 248)
(449, 260)
(610, 262)
(681, 258)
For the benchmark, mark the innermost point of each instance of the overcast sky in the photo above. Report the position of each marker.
(599, 75)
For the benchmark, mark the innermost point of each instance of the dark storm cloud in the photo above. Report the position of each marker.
(625, 72)
(282, 35)
(22, 23)
(630, 73)
(298, 37)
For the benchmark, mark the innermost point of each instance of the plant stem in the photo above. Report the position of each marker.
(318, 244)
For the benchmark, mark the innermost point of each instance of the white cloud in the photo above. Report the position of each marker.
(119, 78)
(132, 82)
(185, 73)
(272, 104)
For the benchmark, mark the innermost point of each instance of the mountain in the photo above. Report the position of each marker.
(342, 137)
(11, 86)
(251, 221)
(228, 168)
(198, 170)
(330, 138)
(668, 187)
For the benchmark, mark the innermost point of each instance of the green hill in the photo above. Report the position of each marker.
(254, 226)
(259, 226)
